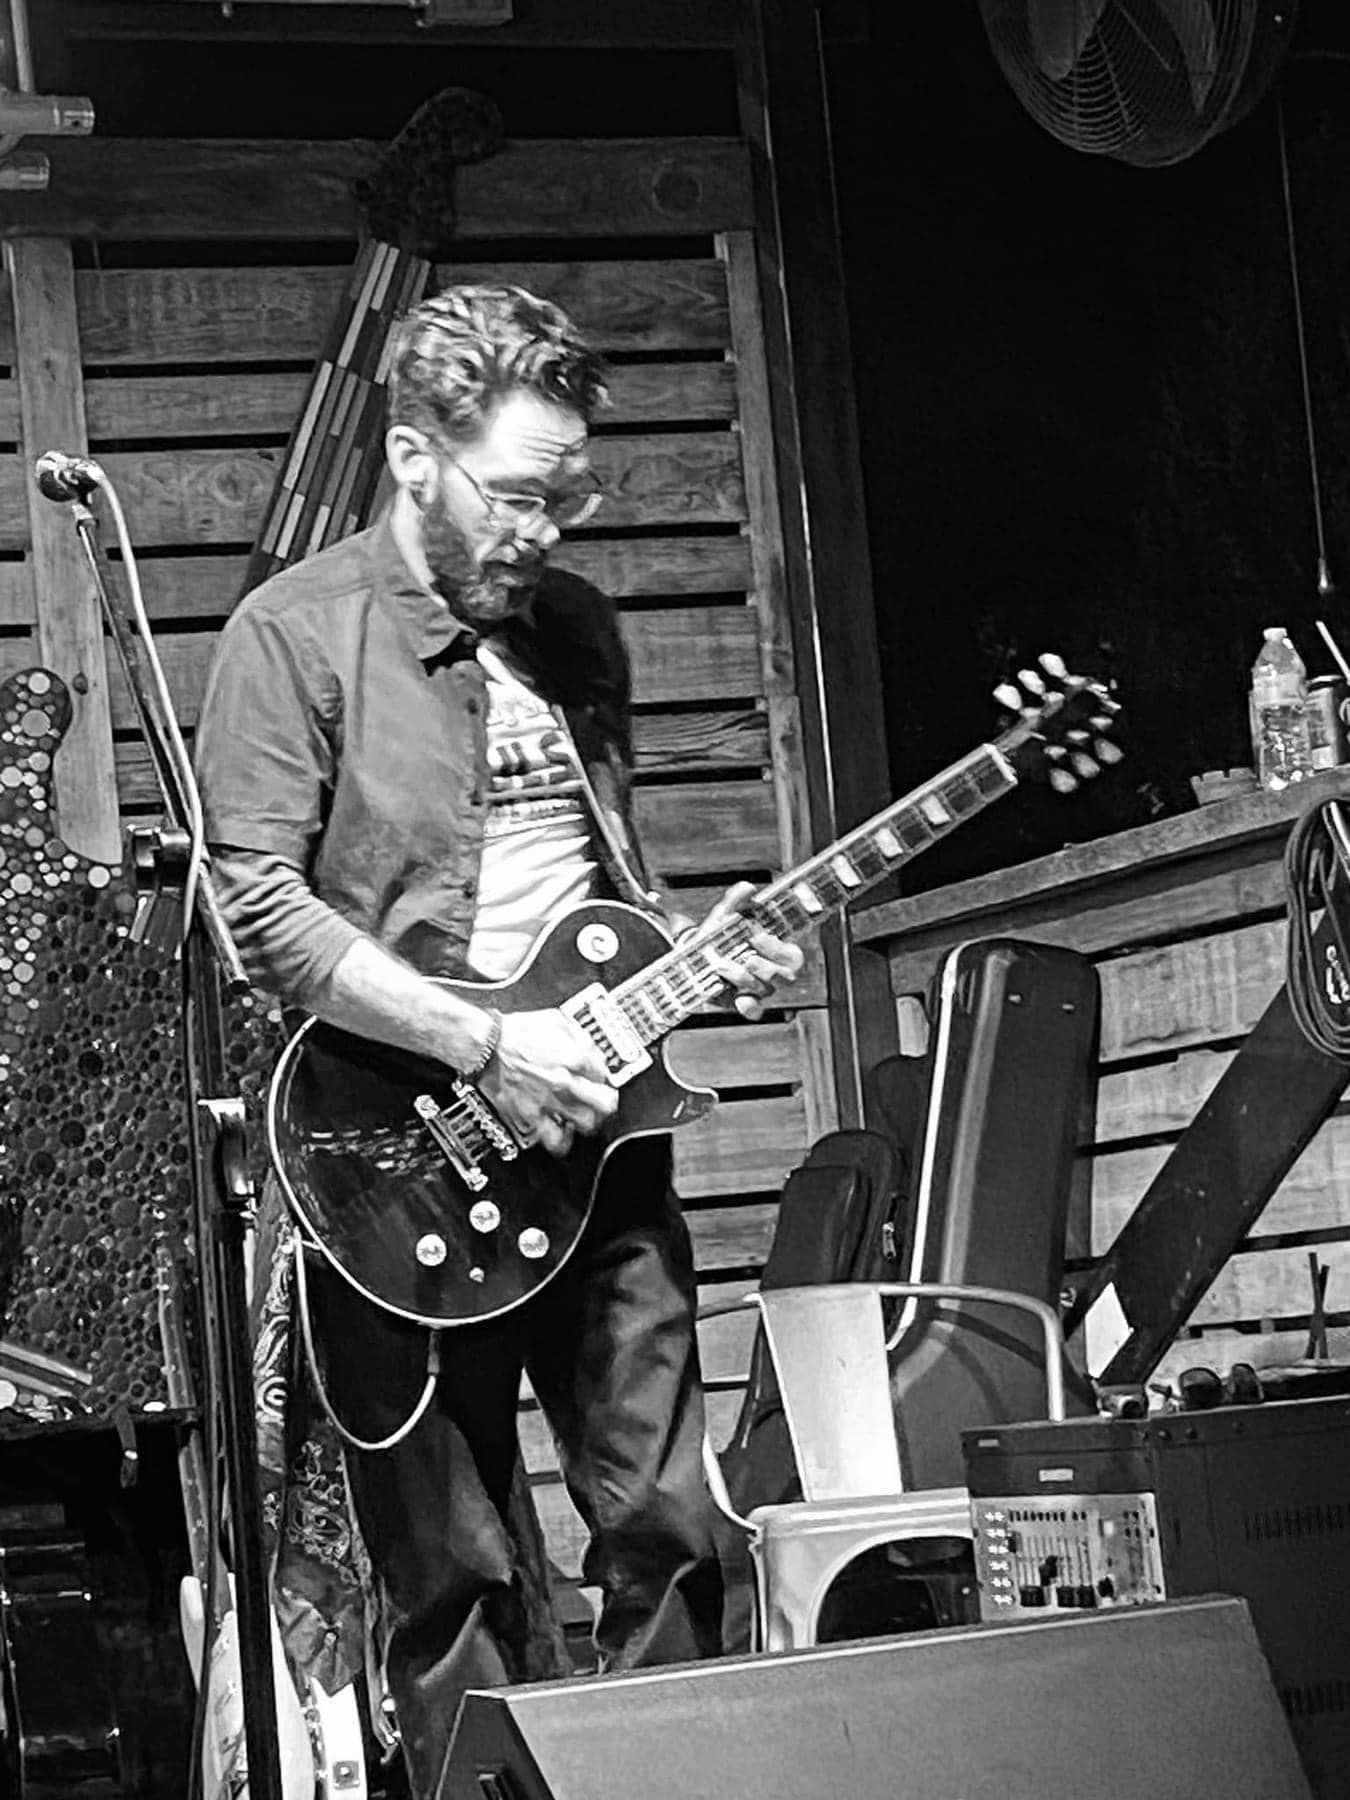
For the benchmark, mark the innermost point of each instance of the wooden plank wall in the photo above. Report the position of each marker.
(1175, 1016)
(1186, 970)
(193, 370)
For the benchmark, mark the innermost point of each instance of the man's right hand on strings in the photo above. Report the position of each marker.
(547, 1080)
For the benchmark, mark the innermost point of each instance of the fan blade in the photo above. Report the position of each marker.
(1193, 23)
(1059, 29)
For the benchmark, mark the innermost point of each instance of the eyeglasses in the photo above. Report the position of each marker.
(566, 510)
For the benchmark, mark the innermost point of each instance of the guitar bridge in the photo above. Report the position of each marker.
(603, 1022)
(466, 1130)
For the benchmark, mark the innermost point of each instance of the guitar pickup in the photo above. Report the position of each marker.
(604, 1023)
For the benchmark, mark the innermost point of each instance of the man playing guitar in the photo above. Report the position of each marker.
(414, 753)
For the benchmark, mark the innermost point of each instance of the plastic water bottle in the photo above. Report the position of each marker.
(1279, 713)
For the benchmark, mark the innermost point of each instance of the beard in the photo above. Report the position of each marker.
(478, 593)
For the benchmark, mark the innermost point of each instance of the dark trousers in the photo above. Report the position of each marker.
(610, 1349)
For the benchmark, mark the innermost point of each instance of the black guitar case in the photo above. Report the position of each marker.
(1013, 1058)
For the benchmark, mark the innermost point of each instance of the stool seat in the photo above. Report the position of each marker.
(932, 1512)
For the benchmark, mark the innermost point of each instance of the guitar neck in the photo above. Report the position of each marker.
(684, 981)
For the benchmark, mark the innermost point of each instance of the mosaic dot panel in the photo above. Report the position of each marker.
(94, 1161)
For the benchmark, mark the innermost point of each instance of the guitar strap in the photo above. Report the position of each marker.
(625, 864)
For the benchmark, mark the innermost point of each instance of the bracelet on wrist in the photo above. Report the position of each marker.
(489, 1046)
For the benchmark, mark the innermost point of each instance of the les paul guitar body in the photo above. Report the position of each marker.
(449, 1233)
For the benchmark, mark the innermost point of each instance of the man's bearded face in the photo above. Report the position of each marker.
(484, 554)
(481, 582)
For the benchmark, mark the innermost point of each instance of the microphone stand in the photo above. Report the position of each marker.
(222, 1192)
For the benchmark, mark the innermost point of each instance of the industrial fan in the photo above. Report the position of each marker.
(1145, 81)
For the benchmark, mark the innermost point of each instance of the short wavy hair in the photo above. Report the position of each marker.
(455, 355)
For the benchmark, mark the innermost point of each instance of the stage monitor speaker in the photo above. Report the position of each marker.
(1168, 1702)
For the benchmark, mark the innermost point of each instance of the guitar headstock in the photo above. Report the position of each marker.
(1062, 724)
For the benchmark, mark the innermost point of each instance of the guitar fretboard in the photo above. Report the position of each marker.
(687, 979)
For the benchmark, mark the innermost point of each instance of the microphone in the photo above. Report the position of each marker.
(63, 477)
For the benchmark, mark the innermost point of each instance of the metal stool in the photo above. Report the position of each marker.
(829, 1350)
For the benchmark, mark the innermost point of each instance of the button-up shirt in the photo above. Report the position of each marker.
(343, 735)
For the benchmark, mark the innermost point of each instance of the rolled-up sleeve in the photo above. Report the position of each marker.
(265, 764)
(288, 939)
(264, 753)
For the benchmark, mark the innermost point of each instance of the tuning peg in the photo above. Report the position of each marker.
(1032, 681)
(1062, 781)
(1008, 696)
(1107, 752)
(1053, 665)
(1086, 768)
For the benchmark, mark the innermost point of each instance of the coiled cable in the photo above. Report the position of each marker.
(1317, 879)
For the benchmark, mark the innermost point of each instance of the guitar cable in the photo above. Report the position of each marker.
(311, 1356)
(1317, 878)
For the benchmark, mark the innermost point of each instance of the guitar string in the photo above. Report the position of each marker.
(777, 906)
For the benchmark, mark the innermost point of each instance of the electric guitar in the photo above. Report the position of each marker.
(418, 1193)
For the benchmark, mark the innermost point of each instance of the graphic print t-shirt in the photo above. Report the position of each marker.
(537, 857)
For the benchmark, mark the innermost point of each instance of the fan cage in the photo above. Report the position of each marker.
(1144, 81)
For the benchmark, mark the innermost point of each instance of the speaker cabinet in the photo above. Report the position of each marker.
(1155, 1703)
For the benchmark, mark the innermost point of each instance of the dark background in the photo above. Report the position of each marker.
(1078, 382)
(1081, 407)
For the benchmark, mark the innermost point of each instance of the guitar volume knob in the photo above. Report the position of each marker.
(431, 1250)
(533, 1243)
(485, 1215)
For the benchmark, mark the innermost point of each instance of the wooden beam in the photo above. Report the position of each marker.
(278, 313)
(784, 117)
(177, 496)
(249, 406)
(207, 587)
(681, 743)
(1241, 883)
(769, 596)
(678, 654)
(537, 24)
(1307, 1201)
(68, 632)
(234, 188)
